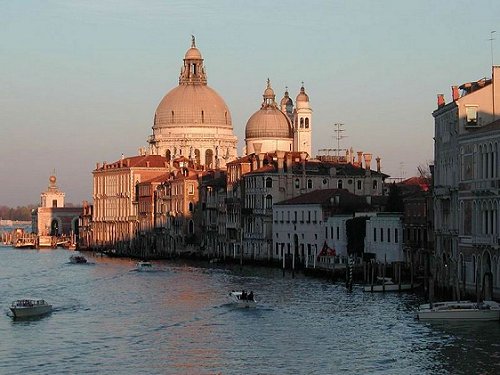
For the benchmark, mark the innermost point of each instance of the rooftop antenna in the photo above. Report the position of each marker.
(338, 136)
(491, 44)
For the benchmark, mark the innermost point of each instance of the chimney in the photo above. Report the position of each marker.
(280, 156)
(441, 101)
(378, 164)
(127, 162)
(454, 92)
(360, 155)
(147, 164)
(97, 165)
(303, 156)
(289, 163)
(368, 161)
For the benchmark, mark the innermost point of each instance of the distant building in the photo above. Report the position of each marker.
(52, 218)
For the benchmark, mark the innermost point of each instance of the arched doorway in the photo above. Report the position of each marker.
(54, 227)
(487, 278)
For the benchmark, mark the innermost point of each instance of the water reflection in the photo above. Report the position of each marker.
(177, 320)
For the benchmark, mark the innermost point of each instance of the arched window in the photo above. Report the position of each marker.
(307, 123)
(168, 155)
(191, 207)
(375, 184)
(301, 122)
(202, 117)
(297, 183)
(209, 158)
(269, 182)
(339, 184)
(172, 116)
(309, 184)
(197, 158)
(191, 227)
(269, 201)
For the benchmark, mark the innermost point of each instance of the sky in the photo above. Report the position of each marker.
(80, 80)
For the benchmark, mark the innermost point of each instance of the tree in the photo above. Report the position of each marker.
(394, 200)
(356, 232)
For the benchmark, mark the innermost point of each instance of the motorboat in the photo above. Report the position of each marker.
(385, 284)
(25, 308)
(241, 299)
(77, 259)
(144, 266)
(459, 310)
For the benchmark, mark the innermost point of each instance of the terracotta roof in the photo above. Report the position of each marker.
(140, 161)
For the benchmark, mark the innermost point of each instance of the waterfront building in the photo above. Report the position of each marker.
(466, 188)
(213, 203)
(192, 120)
(116, 196)
(52, 217)
(303, 225)
(384, 237)
(257, 182)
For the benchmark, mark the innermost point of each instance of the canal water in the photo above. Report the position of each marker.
(110, 319)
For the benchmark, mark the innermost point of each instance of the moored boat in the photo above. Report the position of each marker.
(25, 308)
(242, 299)
(385, 284)
(459, 310)
(144, 266)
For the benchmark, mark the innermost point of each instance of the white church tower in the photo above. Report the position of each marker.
(302, 123)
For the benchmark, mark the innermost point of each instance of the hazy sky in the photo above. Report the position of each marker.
(80, 80)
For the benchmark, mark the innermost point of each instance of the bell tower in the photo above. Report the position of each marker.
(302, 123)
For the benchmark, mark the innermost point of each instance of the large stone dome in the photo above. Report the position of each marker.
(192, 120)
(192, 105)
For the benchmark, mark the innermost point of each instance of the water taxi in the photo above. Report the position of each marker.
(241, 299)
(144, 266)
(25, 308)
(459, 310)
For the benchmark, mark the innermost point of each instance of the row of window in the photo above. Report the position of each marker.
(388, 238)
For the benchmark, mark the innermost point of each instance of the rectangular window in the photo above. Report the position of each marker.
(190, 189)
(396, 235)
(374, 234)
(388, 234)
(359, 184)
(54, 203)
(381, 234)
(331, 232)
(338, 233)
(471, 114)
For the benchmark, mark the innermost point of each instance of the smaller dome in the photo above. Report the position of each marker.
(286, 100)
(302, 97)
(268, 123)
(193, 54)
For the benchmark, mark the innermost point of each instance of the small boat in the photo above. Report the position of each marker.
(385, 284)
(243, 300)
(25, 308)
(459, 310)
(144, 266)
(77, 259)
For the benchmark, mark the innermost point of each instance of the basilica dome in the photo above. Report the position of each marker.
(192, 120)
(269, 121)
(192, 103)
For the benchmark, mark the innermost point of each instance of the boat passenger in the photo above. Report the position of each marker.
(250, 296)
(243, 295)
